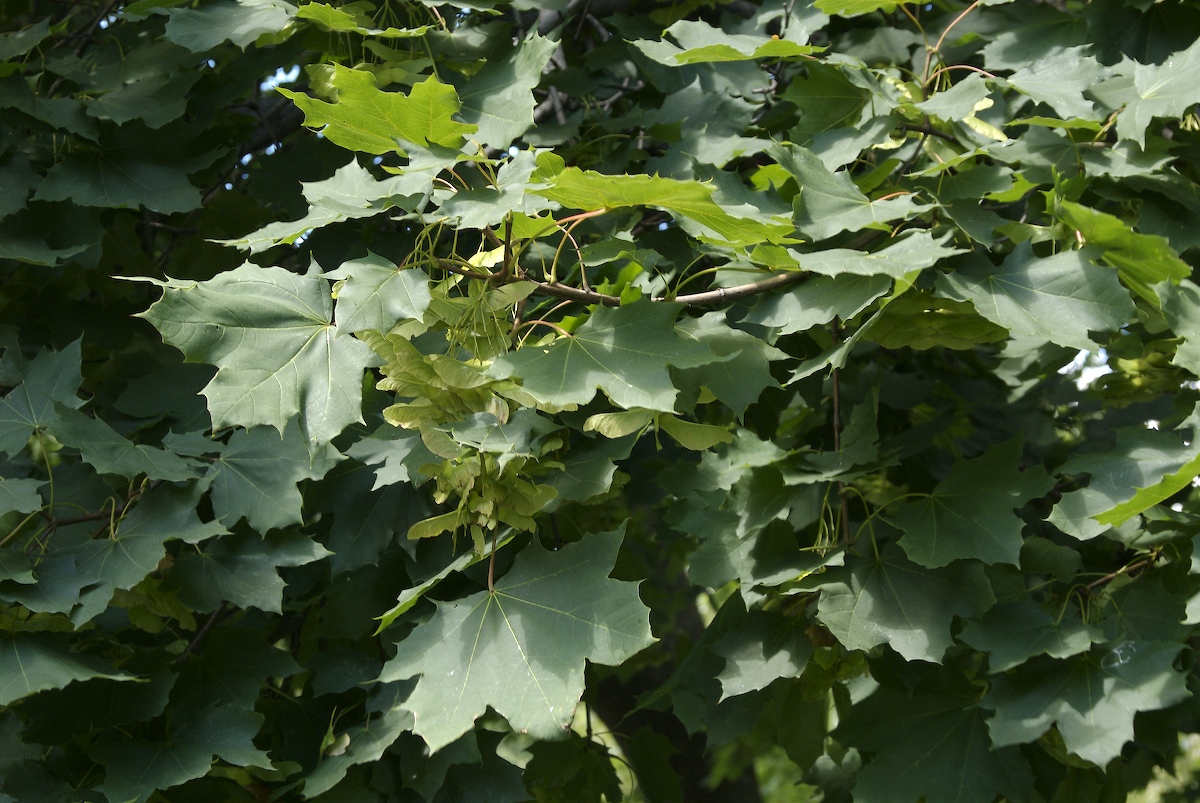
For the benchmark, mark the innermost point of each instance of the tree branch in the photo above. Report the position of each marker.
(707, 298)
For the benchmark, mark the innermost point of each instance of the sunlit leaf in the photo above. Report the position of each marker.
(624, 352)
(277, 350)
(369, 120)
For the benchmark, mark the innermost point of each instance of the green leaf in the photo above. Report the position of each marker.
(744, 534)
(255, 477)
(1181, 308)
(155, 100)
(892, 601)
(51, 377)
(134, 768)
(64, 113)
(479, 651)
(971, 513)
(587, 471)
(690, 435)
(497, 102)
(743, 370)
(919, 320)
(700, 43)
(350, 194)
(854, 8)
(1060, 79)
(33, 662)
(365, 522)
(828, 98)
(836, 355)
(767, 646)
(942, 755)
(1161, 90)
(1142, 259)
(241, 569)
(510, 193)
(398, 453)
(19, 496)
(21, 41)
(368, 120)
(817, 302)
(1144, 468)
(899, 259)
(109, 453)
(412, 595)
(829, 203)
(343, 20)
(366, 745)
(271, 335)
(377, 294)
(1013, 632)
(1092, 698)
(200, 29)
(959, 101)
(19, 180)
(573, 770)
(1060, 298)
(624, 352)
(619, 424)
(693, 200)
(1145, 611)
(136, 547)
(119, 180)
(521, 436)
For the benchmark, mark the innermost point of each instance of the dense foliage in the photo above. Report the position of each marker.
(610, 400)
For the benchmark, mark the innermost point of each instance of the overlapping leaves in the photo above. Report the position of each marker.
(846, 282)
(520, 649)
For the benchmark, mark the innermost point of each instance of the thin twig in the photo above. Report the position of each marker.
(450, 267)
(937, 47)
(1140, 564)
(706, 298)
(967, 67)
(203, 631)
(928, 130)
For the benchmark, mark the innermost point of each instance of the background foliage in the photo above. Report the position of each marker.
(597, 400)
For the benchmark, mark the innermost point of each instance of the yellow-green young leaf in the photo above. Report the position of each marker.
(589, 190)
(1143, 466)
(1145, 498)
(691, 435)
(700, 43)
(1142, 259)
(855, 8)
(435, 525)
(341, 20)
(618, 425)
(369, 120)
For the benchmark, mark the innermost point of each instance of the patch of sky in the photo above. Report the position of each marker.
(1086, 368)
(280, 77)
